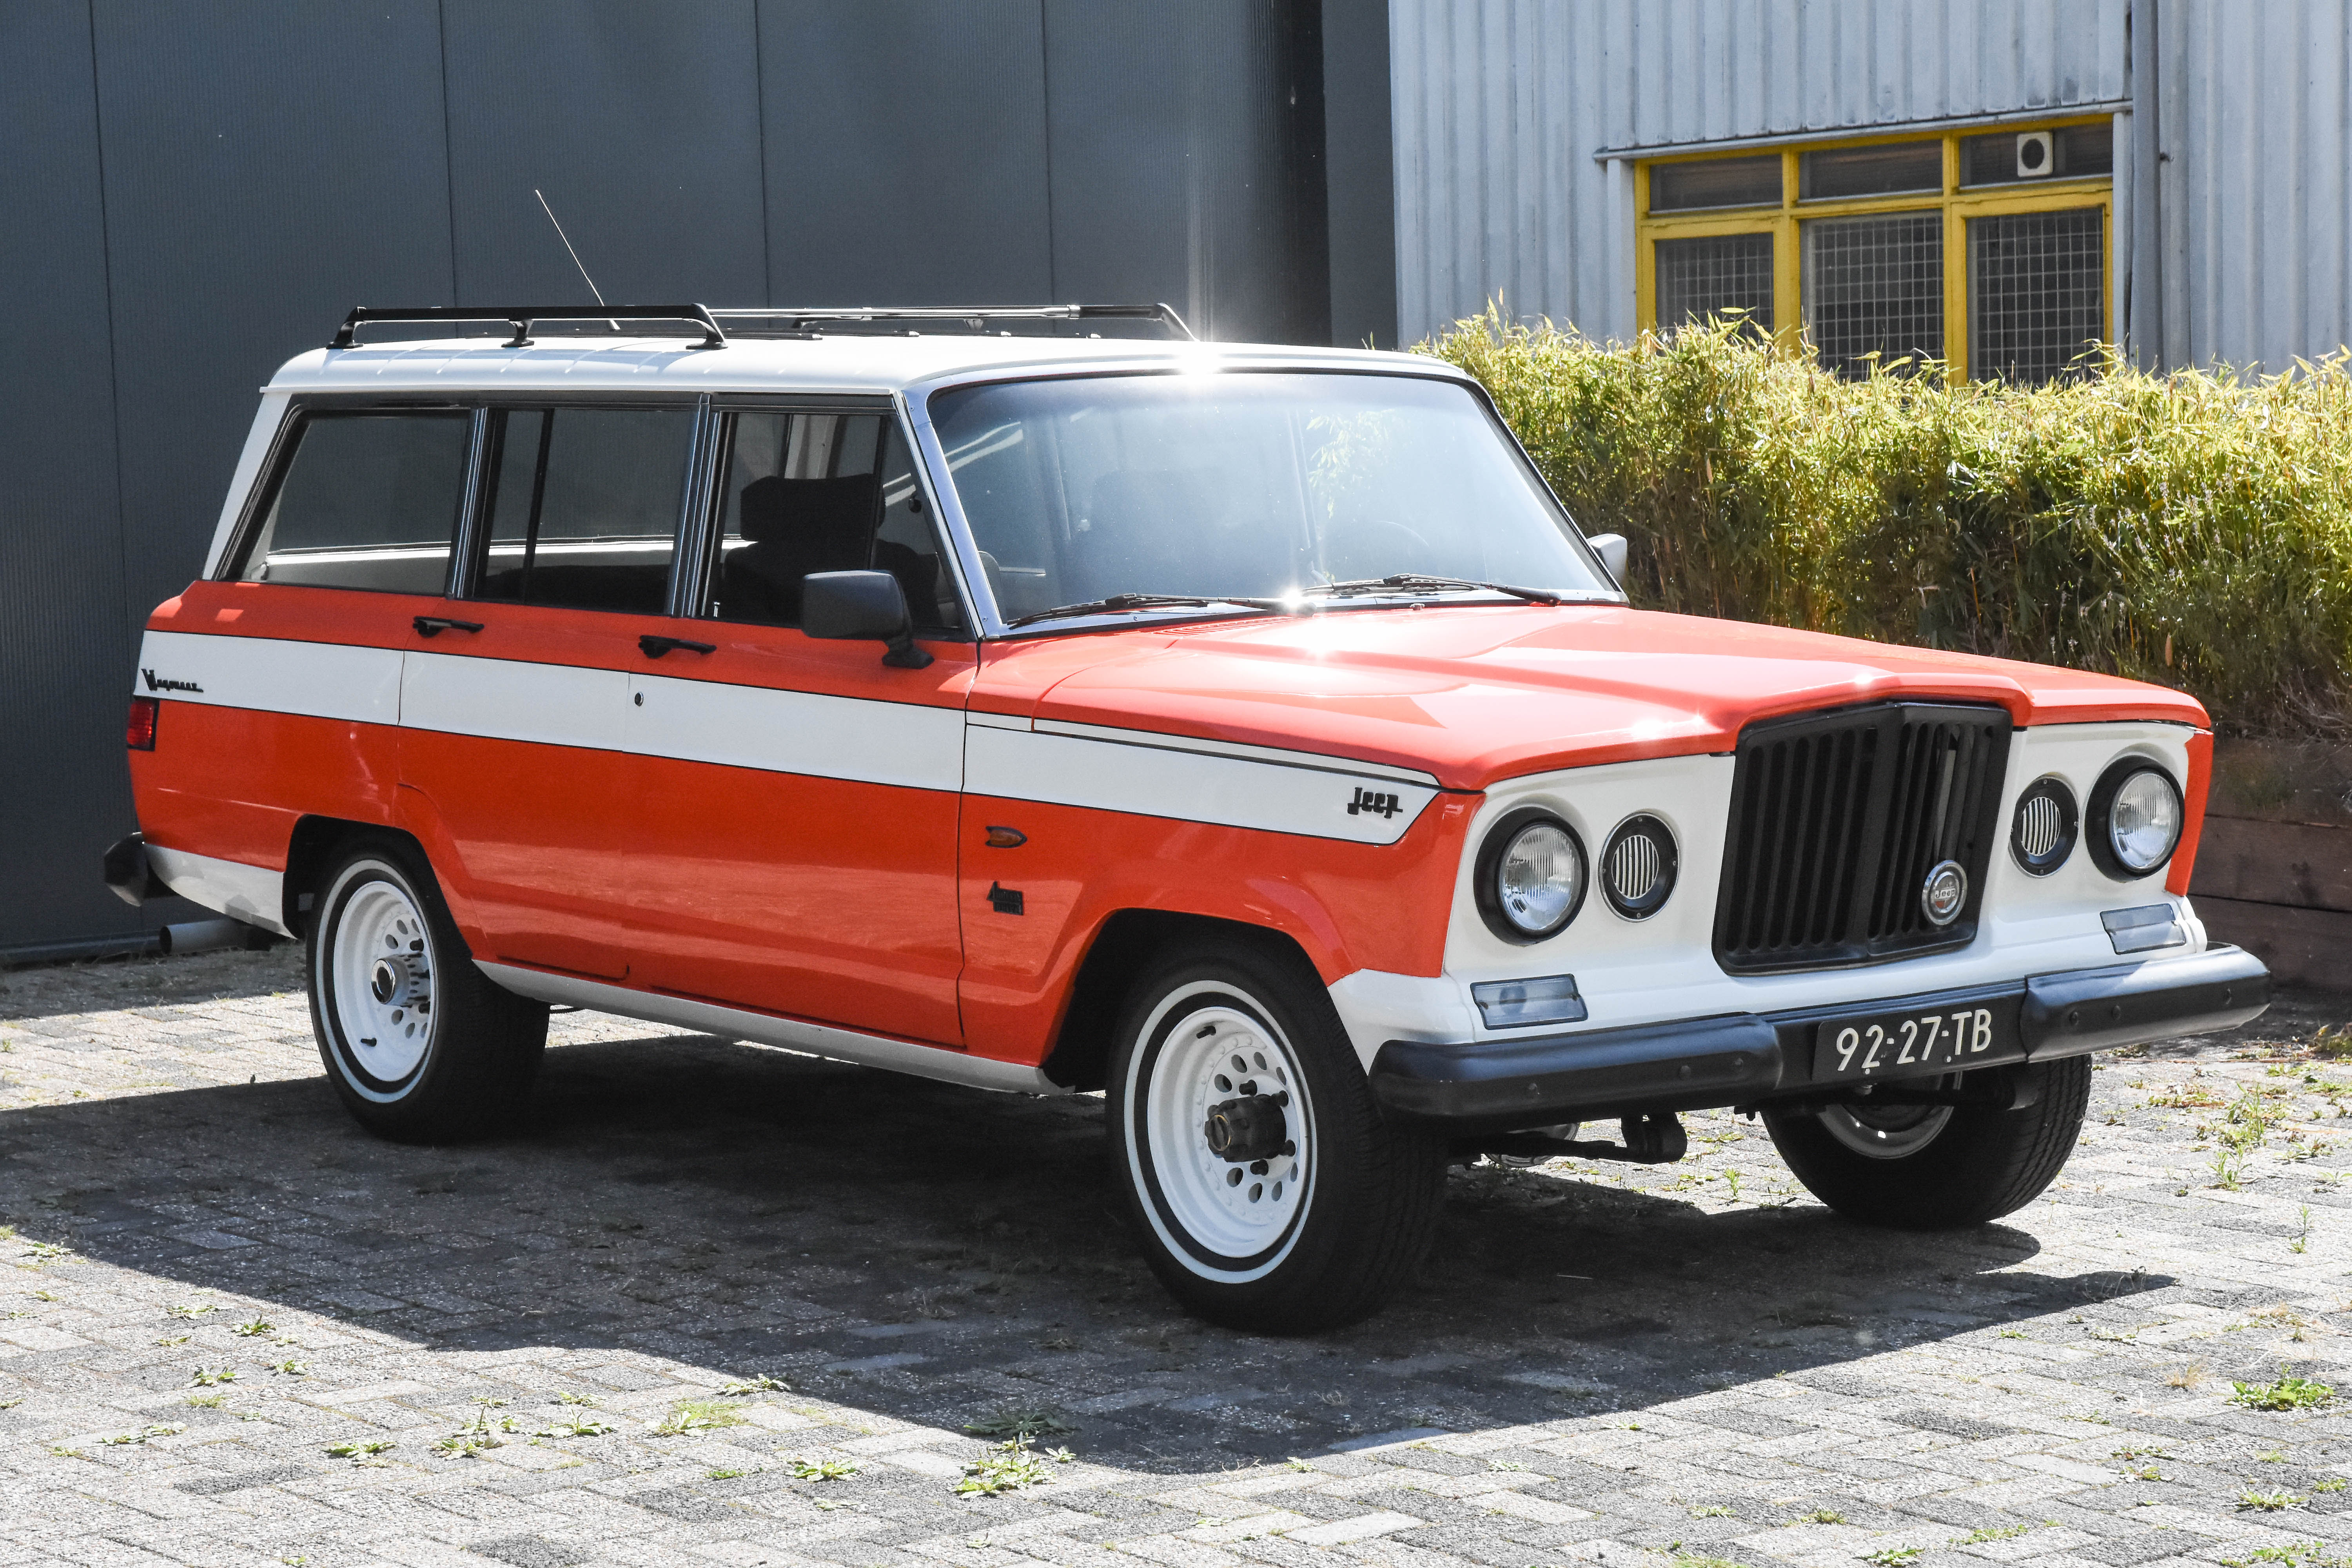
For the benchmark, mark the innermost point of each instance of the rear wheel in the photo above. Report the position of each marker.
(1270, 1192)
(1938, 1167)
(420, 1045)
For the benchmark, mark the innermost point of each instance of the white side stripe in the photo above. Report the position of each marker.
(505, 699)
(322, 680)
(798, 732)
(896, 743)
(1193, 787)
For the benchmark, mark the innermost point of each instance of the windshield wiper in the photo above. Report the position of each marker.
(1122, 602)
(1407, 580)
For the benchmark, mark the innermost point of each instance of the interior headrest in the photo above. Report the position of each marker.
(779, 508)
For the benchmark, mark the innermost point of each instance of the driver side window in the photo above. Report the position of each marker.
(822, 492)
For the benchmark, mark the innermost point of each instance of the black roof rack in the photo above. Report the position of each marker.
(791, 319)
(786, 318)
(521, 318)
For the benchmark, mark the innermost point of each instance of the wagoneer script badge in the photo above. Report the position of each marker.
(154, 684)
(1366, 802)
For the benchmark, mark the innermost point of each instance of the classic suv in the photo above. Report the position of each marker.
(1244, 733)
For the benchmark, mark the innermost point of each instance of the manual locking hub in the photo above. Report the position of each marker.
(1250, 1127)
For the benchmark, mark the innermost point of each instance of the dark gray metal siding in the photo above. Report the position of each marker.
(194, 194)
(62, 784)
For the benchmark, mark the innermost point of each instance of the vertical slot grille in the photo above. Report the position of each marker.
(1836, 820)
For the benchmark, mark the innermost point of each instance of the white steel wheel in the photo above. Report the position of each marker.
(380, 972)
(1223, 1132)
(1885, 1133)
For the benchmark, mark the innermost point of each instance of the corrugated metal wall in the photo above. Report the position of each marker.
(2253, 113)
(1500, 106)
(193, 194)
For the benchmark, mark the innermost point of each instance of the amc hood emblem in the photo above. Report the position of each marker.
(1943, 893)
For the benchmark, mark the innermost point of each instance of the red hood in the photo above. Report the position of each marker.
(1477, 694)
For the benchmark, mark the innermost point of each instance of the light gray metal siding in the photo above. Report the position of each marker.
(2253, 110)
(1500, 106)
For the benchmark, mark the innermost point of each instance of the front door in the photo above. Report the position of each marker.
(794, 843)
(515, 710)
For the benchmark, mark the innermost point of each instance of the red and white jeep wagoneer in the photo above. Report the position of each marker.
(1244, 733)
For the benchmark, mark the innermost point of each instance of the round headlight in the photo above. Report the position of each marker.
(2042, 835)
(1530, 876)
(1637, 869)
(2137, 816)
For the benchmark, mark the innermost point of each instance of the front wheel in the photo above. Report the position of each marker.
(1938, 1167)
(420, 1045)
(1270, 1191)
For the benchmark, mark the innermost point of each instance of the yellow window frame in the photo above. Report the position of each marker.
(1957, 205)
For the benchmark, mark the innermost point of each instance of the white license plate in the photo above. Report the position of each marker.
(1887, 1045)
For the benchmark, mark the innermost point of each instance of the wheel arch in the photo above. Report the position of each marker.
(1121, 946)
(315, 842)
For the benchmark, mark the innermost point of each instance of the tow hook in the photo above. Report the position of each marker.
(1657, 1139)
(1249, 1128)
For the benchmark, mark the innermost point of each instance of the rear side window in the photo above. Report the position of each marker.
(583, 507)
(364, 501)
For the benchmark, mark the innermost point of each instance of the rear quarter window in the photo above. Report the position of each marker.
(365, 500)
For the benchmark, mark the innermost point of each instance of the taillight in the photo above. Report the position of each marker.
(139, 732)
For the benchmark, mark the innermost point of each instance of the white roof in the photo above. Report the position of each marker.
(839, 363)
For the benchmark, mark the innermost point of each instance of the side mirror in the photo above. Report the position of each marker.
(1610, 548)
(858, 606)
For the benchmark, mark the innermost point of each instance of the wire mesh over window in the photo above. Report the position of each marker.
(2037, 294)
(1874, 286)
(1723, 272)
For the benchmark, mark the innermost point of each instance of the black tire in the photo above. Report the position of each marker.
(1978, 1165)
(1363, 1191)
(380, 942)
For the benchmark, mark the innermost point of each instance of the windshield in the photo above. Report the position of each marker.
(1246, 485)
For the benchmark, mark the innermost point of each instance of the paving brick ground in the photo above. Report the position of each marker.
(215, 1285)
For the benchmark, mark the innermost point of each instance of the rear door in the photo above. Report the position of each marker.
(794, 848)
(516, 708)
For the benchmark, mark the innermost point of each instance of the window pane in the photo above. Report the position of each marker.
(1249, 483)
(2073, 153)
(802, 495)
(368, 500)
(906, 546)
(2037, 294)
(1874, 286)
(1711, 277)
(584, 511)
(1716, 183)
(1871, 170)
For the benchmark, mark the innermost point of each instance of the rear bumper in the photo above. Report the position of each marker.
(1742, 1059)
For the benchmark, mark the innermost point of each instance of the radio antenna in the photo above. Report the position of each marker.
(575, 254)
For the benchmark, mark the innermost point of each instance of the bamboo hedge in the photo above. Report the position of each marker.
(2192, 529)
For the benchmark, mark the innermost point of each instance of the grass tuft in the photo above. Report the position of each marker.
(2287, 1393)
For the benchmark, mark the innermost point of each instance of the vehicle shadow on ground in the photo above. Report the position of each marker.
(935, 1254)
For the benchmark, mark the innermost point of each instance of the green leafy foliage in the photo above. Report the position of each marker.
(357, 1450)
(820, 1469)
(1018, 1423)
(2192, 529)
(2287, 1393)
(699, 1416)
(1009, 1467)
